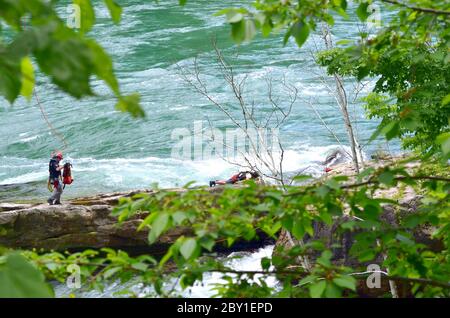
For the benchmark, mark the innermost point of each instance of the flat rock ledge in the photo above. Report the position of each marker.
(87, 222)
(80, 223)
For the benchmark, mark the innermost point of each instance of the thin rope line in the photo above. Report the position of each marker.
(52, 129)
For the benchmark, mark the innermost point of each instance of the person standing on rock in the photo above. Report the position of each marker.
(54, 170)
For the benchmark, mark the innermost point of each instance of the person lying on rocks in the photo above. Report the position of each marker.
(241, 176)
(334, 158)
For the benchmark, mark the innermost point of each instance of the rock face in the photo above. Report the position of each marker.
(81, 223)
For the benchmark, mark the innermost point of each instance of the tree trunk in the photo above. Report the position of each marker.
(343, 104)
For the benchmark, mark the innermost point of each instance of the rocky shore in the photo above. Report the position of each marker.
(84, 223)
(80, 223)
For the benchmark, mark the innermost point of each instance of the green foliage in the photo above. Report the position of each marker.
(67, 56)
(271, 16)
(409, 59)
(236, 214)
(20, 279)
(114, 10)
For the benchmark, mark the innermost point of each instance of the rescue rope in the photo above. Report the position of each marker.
(49, 124)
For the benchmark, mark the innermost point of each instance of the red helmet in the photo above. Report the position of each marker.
(59, 155)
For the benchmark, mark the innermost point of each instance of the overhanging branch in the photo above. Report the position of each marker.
(420, 9)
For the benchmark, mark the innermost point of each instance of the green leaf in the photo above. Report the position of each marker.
(131, 105)
(111, 271)
(103, 66)
(367, 255)
(27, 78)
(332, 291)
(20, 279)
(140, 266)
(302, 178)
(322, 191)
(287, 36)
(307, 225)
(243, 30)
(68, 61)
(158, 227)
(362, 12)
(10, 79)
(446, 100)
(316, 290)
(325, 258)
(387, 178)
(234, 16)
(413, 220)
(344, 42)
(391, 130)
(444, 141)
(404, 239)
(237, 31)
(298, 230)
(345, 282)
(178, 217)
(250, 30)
(365, 173)
(207, 242)
(265, 263)
(188, 248)
(307, 280)
(300, 31)
(115, 10)
(372, 210)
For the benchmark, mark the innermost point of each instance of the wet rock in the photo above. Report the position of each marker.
(13, 206)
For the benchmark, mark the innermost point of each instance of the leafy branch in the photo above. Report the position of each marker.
(415, 8)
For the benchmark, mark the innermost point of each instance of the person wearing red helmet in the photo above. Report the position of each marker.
(54, 170)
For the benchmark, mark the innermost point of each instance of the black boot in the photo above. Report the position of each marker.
(50, 202)
(57, 203)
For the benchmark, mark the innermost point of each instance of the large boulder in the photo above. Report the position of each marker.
(85, 223)
(81, 223)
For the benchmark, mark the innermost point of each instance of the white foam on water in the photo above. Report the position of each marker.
(28, 139)
(25, 178)
(103, 175)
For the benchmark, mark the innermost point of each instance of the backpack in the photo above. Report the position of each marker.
(67, 174)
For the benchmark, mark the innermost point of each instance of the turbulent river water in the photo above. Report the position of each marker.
(111, 151)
